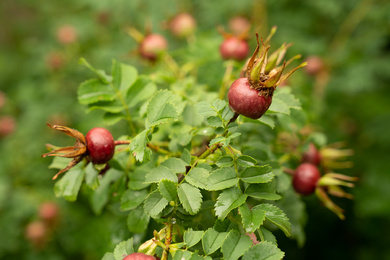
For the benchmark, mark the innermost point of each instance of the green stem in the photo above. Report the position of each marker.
(172, 65)
(160, 150)
(226, 79)
(168, 240)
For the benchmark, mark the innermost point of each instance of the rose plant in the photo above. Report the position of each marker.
(200, 178)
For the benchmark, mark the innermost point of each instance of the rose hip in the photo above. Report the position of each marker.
(152, 46)
(139, 256)
(100, 145)
(234, 48)
(182, 25)
(246, 101)
(305, 178)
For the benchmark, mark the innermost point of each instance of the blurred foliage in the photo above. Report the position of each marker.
(40, 75)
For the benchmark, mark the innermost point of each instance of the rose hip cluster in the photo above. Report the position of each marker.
(98, 146)
(307, 179)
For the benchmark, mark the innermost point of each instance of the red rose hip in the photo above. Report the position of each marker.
(152, 46)
(100, 145)
(312, 155)
(305, 178)
(139, 256)
(234, 48)
(246, 101)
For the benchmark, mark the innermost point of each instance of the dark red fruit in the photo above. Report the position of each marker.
(182, 25)
(305, 178)
(246, 101)
(312, 155)
(234, 48)
(139, 256)
(100, 145)
(152, 46)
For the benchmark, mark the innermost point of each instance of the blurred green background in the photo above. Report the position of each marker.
(39, 76)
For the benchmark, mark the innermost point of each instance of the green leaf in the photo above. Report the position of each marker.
(251, 219)
(137, 178)
(161, 109)
(108, 106)
(225, 141)
(267, 120)
(100, 73)
(168, 189)
(183, 255)
(215, 121)
(218, 105)
(59, 162)
(123, 249)
(212, 240)
(224, 161)
(99, 197)
(257, 174)
(188, 255)
(283, 101)
(138, 146)
(266, 191)
(141, 90)
(204, 109)
(197, 177)
(192, 237)
(267, 235)
(264, 251)
(123, 76)
(186, 157)
(221, 179)
(160, 173)
(246, 161)
(227, 114)
(69, 185)
(113, 118)
(235, 245)
(229, 200)
(91, 177)
(155, 203)
(276, 216)
(108, 256)
(190, 197)
(285, 95)
(93, 90)
(176, 165)
(137, 220)
(131, 199)
(278, 106)
(216, 113)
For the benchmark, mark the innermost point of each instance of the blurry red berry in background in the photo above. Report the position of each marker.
(239, 25)
(7, 125)
(67, 34)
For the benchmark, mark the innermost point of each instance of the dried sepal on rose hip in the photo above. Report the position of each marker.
(98, 146)
(331, 184)
(251, 95)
